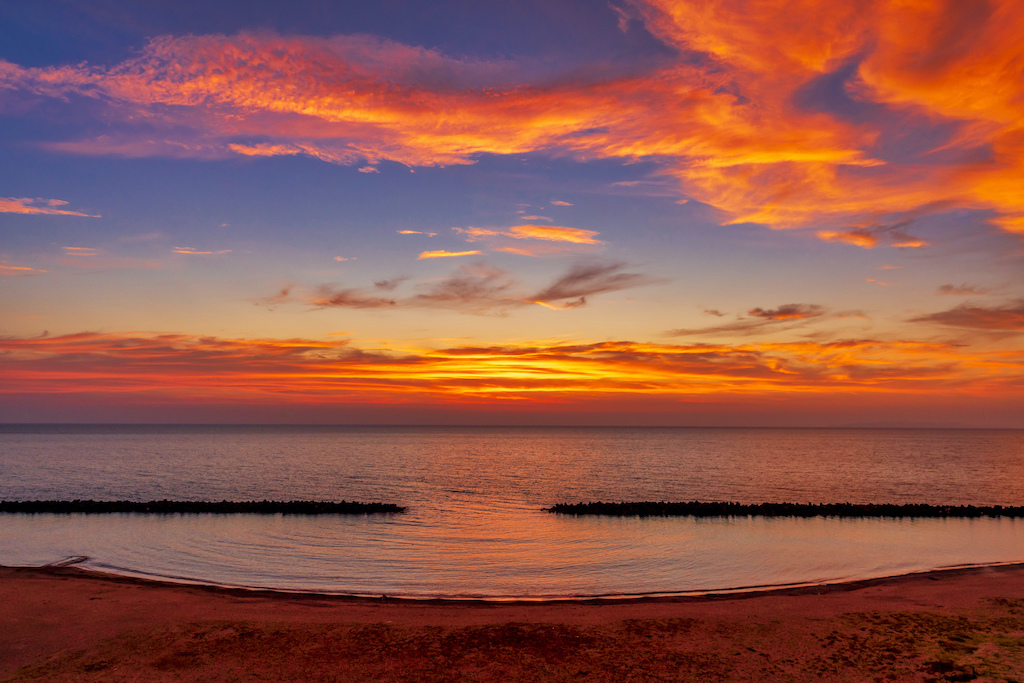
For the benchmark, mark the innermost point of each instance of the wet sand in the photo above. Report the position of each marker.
(66, 624)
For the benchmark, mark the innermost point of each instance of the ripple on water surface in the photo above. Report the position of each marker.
(474, 524)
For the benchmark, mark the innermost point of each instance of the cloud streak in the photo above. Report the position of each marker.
(588, 279)
(47, 207)
(546, 233)
(441, 253)
(1008, 318)
(759, 319)
(475, 288)
(197, 252)
(960, 290)
(788, 312)
(330, 297)
(11, 270)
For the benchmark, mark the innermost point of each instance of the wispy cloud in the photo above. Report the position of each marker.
(274, 300)
(441, 253)
(588, 279)
(873, 235)
(417, 232)
(559, 202)
(485, 290)
(544, 233)
(324, 153)
(788, 312)
(95, 259)
(859, 238)
(390, 284)
(474, 288)
(50, 207)
(1008, 318)
(960, 290)
(80, 251)
(758, 320)
(330, 297)
(553, 233)
(517, 250)
(11, 270)
(196, 252)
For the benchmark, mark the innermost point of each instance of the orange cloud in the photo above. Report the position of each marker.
(441, 253)
(778, 112)
(910, 243)
(517, 251)
(334, 156)
(869, 237)
(28, 205)
(8, 270)
(547, 233)
(194, 368)
(80, 251)
(553, 233)
(860, 238)
(196, 252)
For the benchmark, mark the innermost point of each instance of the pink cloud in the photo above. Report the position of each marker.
(26, 205)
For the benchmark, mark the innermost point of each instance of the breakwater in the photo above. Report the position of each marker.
(726, 509)
(168, 507)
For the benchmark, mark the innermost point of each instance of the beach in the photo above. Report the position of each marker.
(66, 624)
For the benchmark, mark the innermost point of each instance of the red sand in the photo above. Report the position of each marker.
(69, 624)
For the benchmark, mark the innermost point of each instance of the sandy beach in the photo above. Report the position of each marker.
(66, 624)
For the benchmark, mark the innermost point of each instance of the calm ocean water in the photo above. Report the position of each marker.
(474, 525)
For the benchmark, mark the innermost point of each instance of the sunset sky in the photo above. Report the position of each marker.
(661, 212)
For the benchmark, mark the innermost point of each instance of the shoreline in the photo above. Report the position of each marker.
(71, 566)
(66, 623)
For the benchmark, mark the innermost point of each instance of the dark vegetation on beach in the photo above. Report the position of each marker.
(720, 509)
(168, 507)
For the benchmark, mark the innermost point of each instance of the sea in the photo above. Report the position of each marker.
(475, 525)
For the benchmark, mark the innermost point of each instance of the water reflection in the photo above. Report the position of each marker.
(474, 524)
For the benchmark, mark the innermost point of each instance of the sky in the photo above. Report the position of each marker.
(635, 212)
